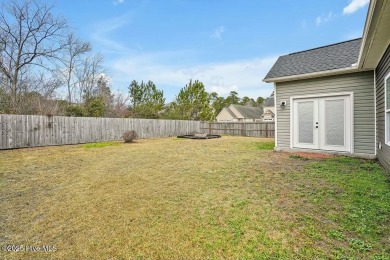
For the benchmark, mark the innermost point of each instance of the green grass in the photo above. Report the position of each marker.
(356, 194)
(101, 144)
(265, 145)
(296, 156)
(217, 198)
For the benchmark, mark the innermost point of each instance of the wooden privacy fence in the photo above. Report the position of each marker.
(257, 129)
(18, 131)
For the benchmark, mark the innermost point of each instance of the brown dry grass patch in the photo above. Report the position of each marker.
(315, 155)
(164, 198)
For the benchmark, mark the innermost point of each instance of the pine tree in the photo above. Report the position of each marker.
(193, 102)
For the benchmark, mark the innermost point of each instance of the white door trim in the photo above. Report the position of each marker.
(315, 113)
(350, 94)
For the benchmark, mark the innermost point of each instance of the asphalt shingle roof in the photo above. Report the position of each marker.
(335, 56)
(231, 112)
(269, 102)
(249, 112)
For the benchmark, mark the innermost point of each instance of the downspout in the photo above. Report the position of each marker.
(276, 117)
(375, 108)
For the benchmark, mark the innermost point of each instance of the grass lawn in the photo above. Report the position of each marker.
(231, 197)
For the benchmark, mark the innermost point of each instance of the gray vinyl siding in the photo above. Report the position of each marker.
(382, 70)
(360, 83)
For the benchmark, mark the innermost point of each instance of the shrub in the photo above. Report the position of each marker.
(74, 110)
(130, 136)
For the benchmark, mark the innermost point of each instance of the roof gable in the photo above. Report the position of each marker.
(226, 111)
(331, 57)
(230, 112)
(268, 112)
(248, 112)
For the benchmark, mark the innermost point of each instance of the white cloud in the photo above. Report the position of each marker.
(102, 33)
(118, 2)
(325, 18)
(218, 33)
(354, 6)
(243, 76)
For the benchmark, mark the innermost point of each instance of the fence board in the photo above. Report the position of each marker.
(256, 129)
(29, 130)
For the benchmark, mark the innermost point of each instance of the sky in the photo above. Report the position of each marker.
(229, 45)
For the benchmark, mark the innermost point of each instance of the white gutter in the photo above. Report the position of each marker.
(367, 25)
(314, 74)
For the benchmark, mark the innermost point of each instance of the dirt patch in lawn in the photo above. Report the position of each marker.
(314, 155)
(231, 197)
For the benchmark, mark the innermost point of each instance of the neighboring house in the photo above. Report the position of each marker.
(237, 113)
(269, 109)
(336, 98)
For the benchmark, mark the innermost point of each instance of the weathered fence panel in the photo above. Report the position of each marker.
(256, 129)
(17, 131)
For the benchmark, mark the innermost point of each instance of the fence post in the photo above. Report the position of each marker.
(209, 127)
(266, 130)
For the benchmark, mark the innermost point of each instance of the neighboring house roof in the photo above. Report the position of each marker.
(231, 112)
(248, 112)
(269, 102)
(331, 57)
(269, 112)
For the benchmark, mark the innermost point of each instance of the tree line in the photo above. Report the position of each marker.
(46, 69)
(192, 102)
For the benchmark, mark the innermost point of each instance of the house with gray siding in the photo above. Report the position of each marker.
(269, 109)
(237, 113)
(336, 98)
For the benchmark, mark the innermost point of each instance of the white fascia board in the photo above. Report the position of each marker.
(313, 75)
(363, 48)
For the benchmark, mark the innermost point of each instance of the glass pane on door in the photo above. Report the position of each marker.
(305, 122)
(388, 94)
(334, 122)
(388, 126)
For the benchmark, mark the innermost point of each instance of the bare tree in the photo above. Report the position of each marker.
(30, 36)
(88, 75)
(73, 57)
(44, 102)
(120, 105)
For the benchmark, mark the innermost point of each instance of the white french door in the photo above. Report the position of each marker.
(322, 123)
